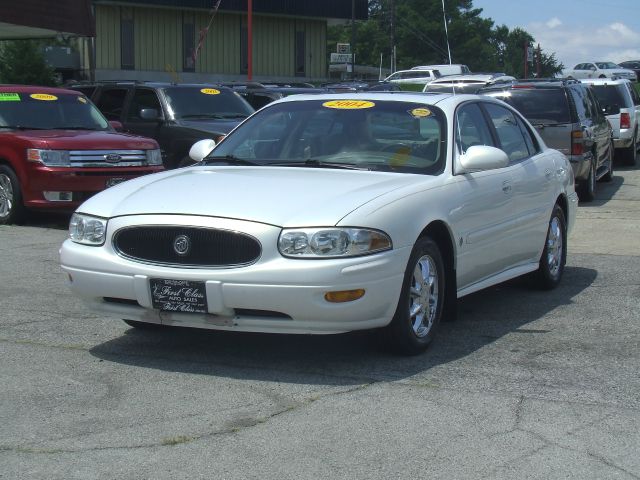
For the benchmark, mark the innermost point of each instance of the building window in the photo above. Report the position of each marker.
(300, 53)
(127, 53)
(244, 46)
(188, 43)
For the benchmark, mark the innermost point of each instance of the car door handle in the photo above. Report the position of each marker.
(506, 187)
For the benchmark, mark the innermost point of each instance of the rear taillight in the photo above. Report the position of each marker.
(625, 120)
(577, 142)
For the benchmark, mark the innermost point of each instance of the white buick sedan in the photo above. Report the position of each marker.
(330, 213)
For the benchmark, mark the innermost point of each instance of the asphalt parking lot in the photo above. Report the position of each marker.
(525, 384)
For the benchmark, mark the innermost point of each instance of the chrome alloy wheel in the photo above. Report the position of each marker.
(423, 296)
(6, 195)
(554, 246)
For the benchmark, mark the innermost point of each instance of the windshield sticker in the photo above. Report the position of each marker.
(43, 96)
(420, 112)
(400, 156)
(210, 91)
(348, 104)
(9, 97)
(82, 100)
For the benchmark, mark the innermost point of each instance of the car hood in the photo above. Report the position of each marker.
(83, 139)
(282, 196)
(209, 125)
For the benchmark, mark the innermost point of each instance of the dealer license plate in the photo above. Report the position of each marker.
(181, 296)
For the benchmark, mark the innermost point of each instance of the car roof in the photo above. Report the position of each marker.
(605, 81)
(127, 83)
(35, 89)
(401, 96)
(473, 77)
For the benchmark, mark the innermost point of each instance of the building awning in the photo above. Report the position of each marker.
(46, 19)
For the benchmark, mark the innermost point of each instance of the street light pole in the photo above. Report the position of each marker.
(353, 39)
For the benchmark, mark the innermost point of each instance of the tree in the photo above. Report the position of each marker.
(22, 62)
(420, 38)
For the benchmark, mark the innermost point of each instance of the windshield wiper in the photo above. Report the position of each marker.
(22, 127)
(315, 163)
(228, 159)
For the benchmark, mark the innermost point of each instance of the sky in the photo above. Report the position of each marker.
(576, 30)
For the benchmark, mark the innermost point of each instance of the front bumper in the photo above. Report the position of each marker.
(275, 294)
(81, 182)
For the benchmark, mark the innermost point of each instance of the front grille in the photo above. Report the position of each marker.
(107, 158)
(206, 247)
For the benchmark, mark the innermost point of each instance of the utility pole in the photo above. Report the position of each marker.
(353, 39)
(393, 36)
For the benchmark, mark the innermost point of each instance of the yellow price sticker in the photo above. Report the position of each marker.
(210, 91)
(420, 112)
(349, 104)
(43, 96)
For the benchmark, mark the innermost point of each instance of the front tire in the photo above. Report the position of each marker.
(554, 254)
(421, 302)
(11, 207)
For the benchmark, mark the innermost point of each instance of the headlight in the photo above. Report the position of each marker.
(154, 157)
(331, 242)
(87, 230)
(51, 158)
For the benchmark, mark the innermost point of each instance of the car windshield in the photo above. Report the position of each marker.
(605, 65)
(546, 105)
(206, 102)
(345, 133)
(49, 111)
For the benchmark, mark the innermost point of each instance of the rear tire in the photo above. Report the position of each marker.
(629, 153)
(554, 254)
(607, 177)
(421, 302)
(587, 191)
(11, 207)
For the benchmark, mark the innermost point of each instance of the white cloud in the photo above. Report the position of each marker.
(554, 22)
(614, 42)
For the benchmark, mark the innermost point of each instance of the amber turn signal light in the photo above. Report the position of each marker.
(344, 296)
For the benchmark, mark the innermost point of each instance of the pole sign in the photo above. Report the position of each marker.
(340, 58)
(343, 48)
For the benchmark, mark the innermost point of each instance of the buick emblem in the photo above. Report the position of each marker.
(182, 245)
(112, 157)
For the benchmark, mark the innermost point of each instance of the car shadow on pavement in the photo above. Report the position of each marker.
(347, 359)
(605, 191)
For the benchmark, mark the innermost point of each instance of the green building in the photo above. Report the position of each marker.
(156, 39)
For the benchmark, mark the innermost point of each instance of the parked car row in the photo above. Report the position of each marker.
(588, 70)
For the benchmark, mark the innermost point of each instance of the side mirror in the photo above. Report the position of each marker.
(481, 157)
(150, 114)
(116, 125)
(201, 149)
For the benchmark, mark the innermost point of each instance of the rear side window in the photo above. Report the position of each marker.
(613, 97)
(581, 101)
(111, 102)
(539, 105)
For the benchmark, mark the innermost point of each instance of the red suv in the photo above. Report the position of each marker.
(56, 150)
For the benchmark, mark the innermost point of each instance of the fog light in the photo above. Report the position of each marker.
(344, 296)
(58, 196)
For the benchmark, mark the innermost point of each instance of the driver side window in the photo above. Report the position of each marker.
(471, 128)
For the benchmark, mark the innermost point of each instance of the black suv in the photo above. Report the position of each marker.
(176, 115)
(569, 118)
